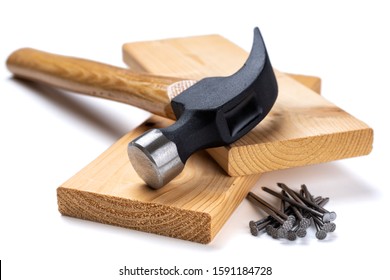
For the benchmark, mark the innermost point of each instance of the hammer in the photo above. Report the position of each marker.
(210, 113)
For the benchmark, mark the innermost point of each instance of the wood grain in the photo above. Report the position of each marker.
(303, 128)
(311, 82)
(93, 78)
(192, 207)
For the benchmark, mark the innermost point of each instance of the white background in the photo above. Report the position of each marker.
(48, 135)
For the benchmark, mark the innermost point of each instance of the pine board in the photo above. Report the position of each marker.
(192, 207)
(302, 129)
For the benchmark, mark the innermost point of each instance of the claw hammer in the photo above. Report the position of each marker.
(209, 113)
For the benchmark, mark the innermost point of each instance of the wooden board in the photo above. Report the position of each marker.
(303, 128)
(193, 207)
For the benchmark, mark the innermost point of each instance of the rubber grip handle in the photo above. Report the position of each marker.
(145, 91)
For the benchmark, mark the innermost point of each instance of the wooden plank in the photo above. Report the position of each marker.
(303, 128)
(193, 207)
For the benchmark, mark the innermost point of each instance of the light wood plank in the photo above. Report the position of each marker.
(193, 207)
(302, 129)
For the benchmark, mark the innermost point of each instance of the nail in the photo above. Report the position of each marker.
(257, 226)
(291, 235)
(290, 192)
(293, 202)
(328, 215)
(328, 226)
(275, 230)
(301, 232)
(269, 206)
(302, 221)
(285, 221)
(320, 234)
(268, 223)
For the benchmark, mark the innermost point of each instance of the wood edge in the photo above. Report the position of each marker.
(237, 193)
(312, 82)
(135, 64)
(131, 61)
(130, 214)
(362, 140)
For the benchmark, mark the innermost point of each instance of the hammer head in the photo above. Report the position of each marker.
(213, 112)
